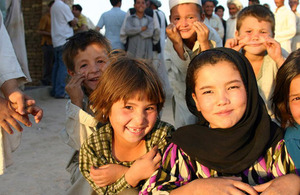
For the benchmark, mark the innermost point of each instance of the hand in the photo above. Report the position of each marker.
(144, 28)
(287, 184)
(107, 174)
(274, 50)
(236, 43)
(8, 117)
(74, 90)
(202, 34)
(30, 108)
(143, 167)
(174, 34)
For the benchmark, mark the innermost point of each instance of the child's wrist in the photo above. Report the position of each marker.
(131, 180)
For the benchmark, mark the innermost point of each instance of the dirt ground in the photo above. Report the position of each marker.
(40, 160)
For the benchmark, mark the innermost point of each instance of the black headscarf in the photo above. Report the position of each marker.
(232, 150)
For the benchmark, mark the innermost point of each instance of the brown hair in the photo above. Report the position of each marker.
(123, 78)
(80, 41)
(261, 13)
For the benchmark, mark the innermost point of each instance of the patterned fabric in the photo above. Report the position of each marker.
(97, 151)
(178, 169)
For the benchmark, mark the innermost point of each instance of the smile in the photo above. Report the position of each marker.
(135, 130)
(224, 112)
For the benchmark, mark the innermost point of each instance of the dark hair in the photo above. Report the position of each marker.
(115, 2)
(77, 7)
(261, 13)
(255, 2)
(219, 7)
(208, 57)
(50, 3)
(280, 100)
(215, 2)
(123, 78)
(80, 41)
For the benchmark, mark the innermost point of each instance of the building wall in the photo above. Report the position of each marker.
(32, 12)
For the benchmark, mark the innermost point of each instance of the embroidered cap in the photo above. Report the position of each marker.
(173, 3)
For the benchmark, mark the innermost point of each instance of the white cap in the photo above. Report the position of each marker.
(173, 3)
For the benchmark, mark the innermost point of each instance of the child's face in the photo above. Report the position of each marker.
(132, 120)
(140, 6)
(184, 16)
(294, 98)
(91, 63)
(220, 94)
(254, 34)
(220, 13)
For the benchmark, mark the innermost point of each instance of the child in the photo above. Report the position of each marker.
(254, 35)
(286, 103)
(141, 33)
(124, 152)
(187, 36)
(235, 145)
(86, 56)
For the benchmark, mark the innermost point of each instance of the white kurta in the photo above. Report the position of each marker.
(216, 23)
(296, 38)
(9, 69)
(230, 28)
(285, 27)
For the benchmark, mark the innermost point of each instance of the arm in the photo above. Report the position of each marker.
(274, 50)
(220, 27)
(130, 28)
(148, 33)
(287, 31)
(202, 35)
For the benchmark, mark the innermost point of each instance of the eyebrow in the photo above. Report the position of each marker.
(294, 95)
(227, 83)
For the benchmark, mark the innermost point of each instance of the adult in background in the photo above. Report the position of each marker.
(46, 42)
(296, 39)
(82, 24)
(285, 25)
(219, 11)
(253, 2)
(62, 23)
(113, 20)
(234, 6)
(210, 18)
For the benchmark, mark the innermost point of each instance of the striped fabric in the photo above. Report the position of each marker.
(97, 151)
(178, 169)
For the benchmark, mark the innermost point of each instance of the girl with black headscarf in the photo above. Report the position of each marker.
(235, 145)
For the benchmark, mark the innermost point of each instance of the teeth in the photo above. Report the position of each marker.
(134, 130)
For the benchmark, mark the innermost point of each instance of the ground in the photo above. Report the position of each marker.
(40, 161)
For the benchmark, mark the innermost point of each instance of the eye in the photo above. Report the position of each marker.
(101, 61)
(83, 66)
(233, 87)
(296, 99)
(176, 19)
(248, 31)
(128, 107)
(191, 17)
(151, 108)
(207, 92)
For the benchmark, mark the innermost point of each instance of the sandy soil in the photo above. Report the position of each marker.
(40, 160)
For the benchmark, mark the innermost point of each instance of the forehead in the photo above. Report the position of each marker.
(185, 9)
(232, 6)
(140, 1)
(249, 21)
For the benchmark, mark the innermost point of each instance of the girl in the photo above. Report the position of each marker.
(286, 103)
(234, 145)
(125, 150)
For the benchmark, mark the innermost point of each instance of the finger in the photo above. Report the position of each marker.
(262, 187)
(12, 122)
(21, 104)
(157, 158)
(6, 127)
(38, 115)
(245, 187)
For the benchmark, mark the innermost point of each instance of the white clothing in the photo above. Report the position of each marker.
(177, 69)
(285, 27)
(173, 3)
(230, 28)
(216, 23)
(296, 38)
(9, 69)
(60, 29)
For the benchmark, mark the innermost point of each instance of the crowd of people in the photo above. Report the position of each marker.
(234, 85)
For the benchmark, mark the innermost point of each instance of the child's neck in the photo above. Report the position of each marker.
(256, 61)
(124, 151)
(139, 14)
(191, 41)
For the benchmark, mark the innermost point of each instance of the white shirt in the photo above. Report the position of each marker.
(230, 27)
(60, 29)
(216, 23)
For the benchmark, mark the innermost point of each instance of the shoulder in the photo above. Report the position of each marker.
(292, 132)
(103, 134)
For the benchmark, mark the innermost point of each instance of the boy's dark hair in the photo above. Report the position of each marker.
(115, 2)
(80, 41)
(77, 7)
(215, 2)
(50, 3)
(280, 100)
(123, 79)
(255, 2)
(219, 7)
(261, 13)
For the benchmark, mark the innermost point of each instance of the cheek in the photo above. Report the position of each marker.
(295, 110)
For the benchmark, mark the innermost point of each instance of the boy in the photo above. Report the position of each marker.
(85, 55)
(187, 36)
(255, 36)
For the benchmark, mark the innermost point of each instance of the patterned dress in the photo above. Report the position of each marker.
(179, 169)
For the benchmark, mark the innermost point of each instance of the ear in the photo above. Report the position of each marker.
(71, 73)
(202, 17)
(236, 33)
(196, 102)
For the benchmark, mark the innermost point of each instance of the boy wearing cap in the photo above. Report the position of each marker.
(187, 37)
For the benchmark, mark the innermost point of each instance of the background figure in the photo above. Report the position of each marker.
(47, 47)
(210, 18)
(234, 6)
(219, 10)
(82, 24)
(253, 2)
(62, 21)
(296, 39)
(113, 20)
(267, 5)
(14, 24)
(158, 58)
(285, 25)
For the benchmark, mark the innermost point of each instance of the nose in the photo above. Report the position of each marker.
(223, 98)
(140, 117)
(255, 36)
(183, 22)
(95, 67)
